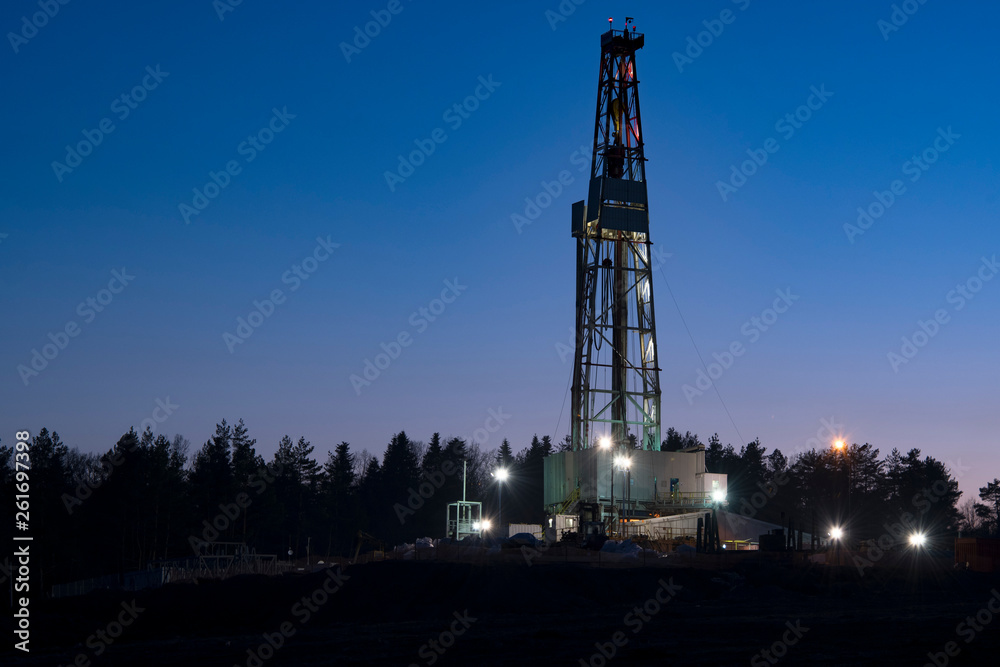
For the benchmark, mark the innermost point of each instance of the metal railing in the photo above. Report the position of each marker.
(685, 498)
(570, 500)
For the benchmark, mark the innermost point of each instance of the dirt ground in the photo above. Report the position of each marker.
(563, 609)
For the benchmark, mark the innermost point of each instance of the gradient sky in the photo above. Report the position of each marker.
(496, 345)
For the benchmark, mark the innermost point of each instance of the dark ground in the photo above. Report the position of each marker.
(551, 613)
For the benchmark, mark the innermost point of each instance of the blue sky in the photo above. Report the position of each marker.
(495, 346)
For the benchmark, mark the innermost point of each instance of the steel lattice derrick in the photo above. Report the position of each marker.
(616, 391)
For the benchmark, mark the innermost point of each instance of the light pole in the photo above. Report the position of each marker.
(842, 447)
(836, 534)
(628, 484)
(501, 474)
(623, 462)
(605, 444)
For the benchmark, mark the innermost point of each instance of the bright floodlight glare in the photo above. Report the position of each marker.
(605, 442)
(839, 444)
(718, 495)
(836, 533)
(623, 462)
(485, 524)
(918, 539)
(502, 474)
(475, 525)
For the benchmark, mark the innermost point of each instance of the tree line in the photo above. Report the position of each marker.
(852, 487)
(147, 499)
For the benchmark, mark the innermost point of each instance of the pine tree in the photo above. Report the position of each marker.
(400, 468)
(339, 469)
(990, 495)
(776, 463)
(433, 456)
(457, 452)
(338, 485)
(246, 461)
(371, 498)
(212, 474)
(306, 468)
(672, 443)
(51, 478)
(284, 459)
(505, 455)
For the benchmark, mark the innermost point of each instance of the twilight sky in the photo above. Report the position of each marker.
(287, 135)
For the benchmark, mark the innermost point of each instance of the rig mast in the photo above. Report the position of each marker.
(616, 386)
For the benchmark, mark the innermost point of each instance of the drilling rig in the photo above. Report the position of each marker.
(615, 385)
